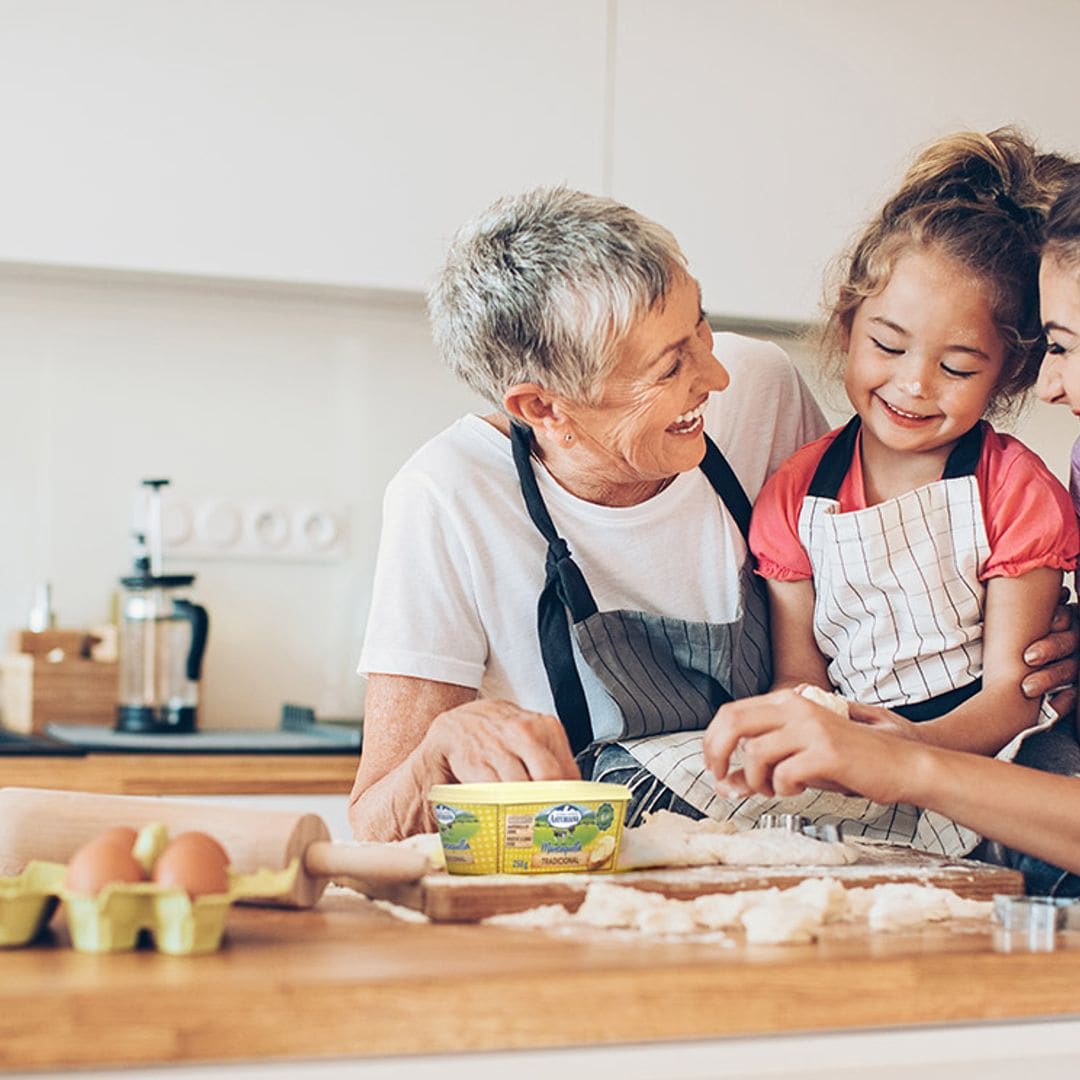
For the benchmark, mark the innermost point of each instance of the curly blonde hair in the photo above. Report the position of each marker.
(980, 200)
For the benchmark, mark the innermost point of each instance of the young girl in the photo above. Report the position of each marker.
(911, 555)
(791, 744)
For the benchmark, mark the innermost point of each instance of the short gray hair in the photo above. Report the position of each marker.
(542, 287)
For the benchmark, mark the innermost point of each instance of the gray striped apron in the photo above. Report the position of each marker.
(665, 675)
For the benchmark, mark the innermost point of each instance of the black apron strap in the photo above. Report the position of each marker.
(566, 591)
(965, 454)
(934, 707)
(835, 462)
(726, 484)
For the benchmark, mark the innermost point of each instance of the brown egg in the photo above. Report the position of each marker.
(99, 863)
(121, 835)
(194, 862)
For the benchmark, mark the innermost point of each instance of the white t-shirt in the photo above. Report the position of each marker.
(461, 566)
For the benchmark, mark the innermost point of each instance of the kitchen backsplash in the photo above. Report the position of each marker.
(241, 392)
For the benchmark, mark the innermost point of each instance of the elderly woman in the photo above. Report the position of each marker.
(563, 584)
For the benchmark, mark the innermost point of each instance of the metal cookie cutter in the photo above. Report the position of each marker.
(1031, 923)
(829, 834)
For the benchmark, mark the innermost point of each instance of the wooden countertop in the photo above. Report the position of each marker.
(185, 774)
(347, 979)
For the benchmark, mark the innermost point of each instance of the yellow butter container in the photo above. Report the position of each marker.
(535, 827)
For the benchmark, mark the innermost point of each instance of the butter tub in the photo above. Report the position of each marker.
(537, 827)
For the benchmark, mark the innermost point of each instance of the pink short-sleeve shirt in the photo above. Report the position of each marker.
(1029, 517)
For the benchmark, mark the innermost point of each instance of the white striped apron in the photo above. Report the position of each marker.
(899, 607)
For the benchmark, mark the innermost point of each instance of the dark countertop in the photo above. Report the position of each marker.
(313, 739)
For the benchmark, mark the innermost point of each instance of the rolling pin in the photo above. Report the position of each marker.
(52, 825)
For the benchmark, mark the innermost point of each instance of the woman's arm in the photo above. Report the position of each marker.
(796, 657)
(791, 744)
(418, 733)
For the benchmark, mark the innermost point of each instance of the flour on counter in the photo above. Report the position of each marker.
(767, 916)
(667, 839)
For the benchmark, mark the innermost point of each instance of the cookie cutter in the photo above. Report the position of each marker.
(828, 833)
(1031, 923)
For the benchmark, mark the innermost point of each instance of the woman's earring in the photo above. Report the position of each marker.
(568, 437)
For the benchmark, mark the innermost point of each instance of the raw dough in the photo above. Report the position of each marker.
(534, 918)
(618, 905)
(833, 702)
(768, 916)
(780, 922)
(667, 839)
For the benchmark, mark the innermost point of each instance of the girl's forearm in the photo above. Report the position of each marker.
(984, 723)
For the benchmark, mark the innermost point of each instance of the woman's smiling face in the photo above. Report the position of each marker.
(1059, 300)
(645, 424)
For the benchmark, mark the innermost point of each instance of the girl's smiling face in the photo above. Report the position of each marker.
(1059, 298)
(924, 356)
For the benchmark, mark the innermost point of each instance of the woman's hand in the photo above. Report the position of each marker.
(487, 740)
(1055, 658)
(791, 744)
(418, 732)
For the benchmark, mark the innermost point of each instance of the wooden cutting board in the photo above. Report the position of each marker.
(461, 898)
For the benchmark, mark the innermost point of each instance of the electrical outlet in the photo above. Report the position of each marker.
(252, 529)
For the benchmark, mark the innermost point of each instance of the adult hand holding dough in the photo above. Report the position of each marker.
(792, 742)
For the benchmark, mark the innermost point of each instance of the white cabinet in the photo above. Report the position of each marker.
(763, 132)
(342, 141)
(327, 141)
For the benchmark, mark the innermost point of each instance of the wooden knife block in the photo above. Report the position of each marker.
(71, 688)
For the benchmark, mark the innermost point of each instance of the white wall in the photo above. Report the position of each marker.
(229, 390)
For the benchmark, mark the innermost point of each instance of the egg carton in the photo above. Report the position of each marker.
(27, 902)
(114, 919)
